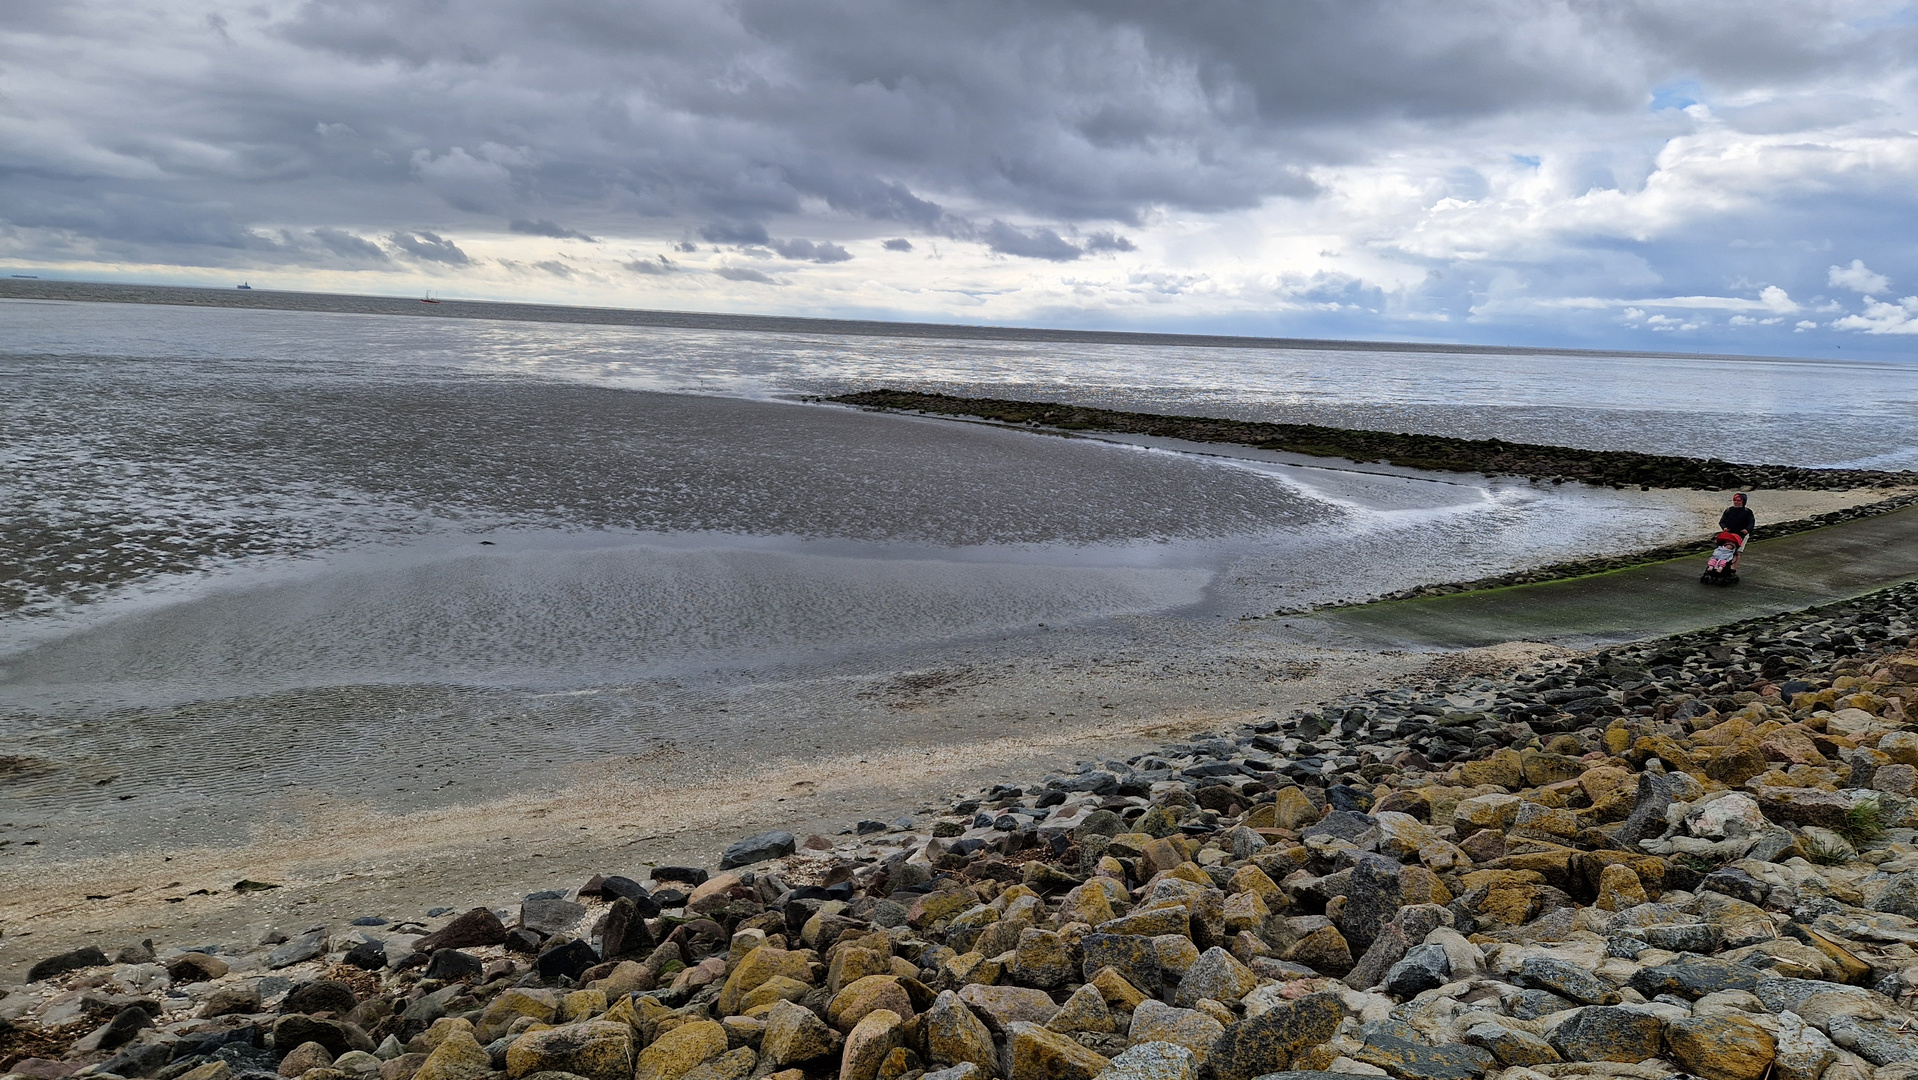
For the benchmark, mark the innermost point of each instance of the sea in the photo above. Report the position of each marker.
(297, 531)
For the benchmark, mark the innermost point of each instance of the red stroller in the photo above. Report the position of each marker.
(1722, 567)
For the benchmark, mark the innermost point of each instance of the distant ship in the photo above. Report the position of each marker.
(245, 286)
(428, 299)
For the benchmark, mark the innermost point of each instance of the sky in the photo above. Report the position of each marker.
(1630, 174)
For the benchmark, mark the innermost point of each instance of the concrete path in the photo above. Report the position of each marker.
(1785, 574)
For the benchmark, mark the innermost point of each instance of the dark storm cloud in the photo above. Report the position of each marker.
(1039, 243)
(348, 246)
(807, 251)
(429, 247)
(897, 243)
(192, 135)
(659, 265)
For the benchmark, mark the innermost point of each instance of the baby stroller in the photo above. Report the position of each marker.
(1722, 567)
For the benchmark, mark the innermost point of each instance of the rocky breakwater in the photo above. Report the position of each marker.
(1691, 856)
(1492, 457)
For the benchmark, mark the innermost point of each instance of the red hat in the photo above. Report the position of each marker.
(1739, 498)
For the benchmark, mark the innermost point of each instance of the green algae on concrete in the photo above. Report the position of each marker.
(1783, 574)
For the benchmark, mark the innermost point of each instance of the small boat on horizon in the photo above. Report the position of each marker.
(244, 285)
(428, 299)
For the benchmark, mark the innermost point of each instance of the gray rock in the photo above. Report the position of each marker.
(1684, 937)
(1647, 819)
(1609, 1033)
(84, 957)
(1900, 896)
(1694, 977)
(1408, 1060)
(1372, 897)
(1876, 1041)
(1361, 830)
(1425, 967)
(1737, 884)
(767, 845)
(1511, 1046)
(452, 965)
(1153, 1061)
(305, 947)
(549, 917)
(1566, 980)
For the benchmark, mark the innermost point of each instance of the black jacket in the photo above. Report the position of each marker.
(1737, 519)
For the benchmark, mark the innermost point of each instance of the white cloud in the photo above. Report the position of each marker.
(1858, 278)
(1883, 318)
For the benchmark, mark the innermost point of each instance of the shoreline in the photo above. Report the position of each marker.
(1595, 841)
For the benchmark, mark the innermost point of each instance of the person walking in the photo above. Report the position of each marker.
(1738, 519)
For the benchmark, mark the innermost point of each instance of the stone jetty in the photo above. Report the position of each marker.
(1690, 856)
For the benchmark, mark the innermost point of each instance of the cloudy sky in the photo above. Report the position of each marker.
(1721, 176)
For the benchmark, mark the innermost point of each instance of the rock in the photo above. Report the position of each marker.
(1503, 769)
(192, 967)
(1803, 1051)
(1292, 811)
(954, 1034)
(570, 959)
(1425, 967)
(1267, 1043)
(1693, 977)
(307, 1055)
(1900, 896)
(1485, 812)
(1737, 884)
(367, 955)
(1877, 1041)
(1189, 1028)
(1566, 980)
(869, 994)
(1609, 1033)
(1153, 1061)
(212, 1070)
(1033, 1053)
(755, 969)
(680, 1050)
(540, 1006)
(74, 960)
(337, 1036)
(755, 849)
(457, 1057)
(868, 1045)
(475, 929)
(1214, 975)
(1043, 960)
(1619, 888)
(1131, 956)
(1727, 817)
(595, 1049)
(1372, 896)
(358, 1063)
(324, 995)
(735, 1064)
(1805, 806)
(1001, 1006)
(549, 917)
(794, 1035)
(299, 949)
(1084, 1011)
(1721, 1047)
(1409, 1060)
(1511, 1046)
(450, 965)
(126, 1024)
(242, 997)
